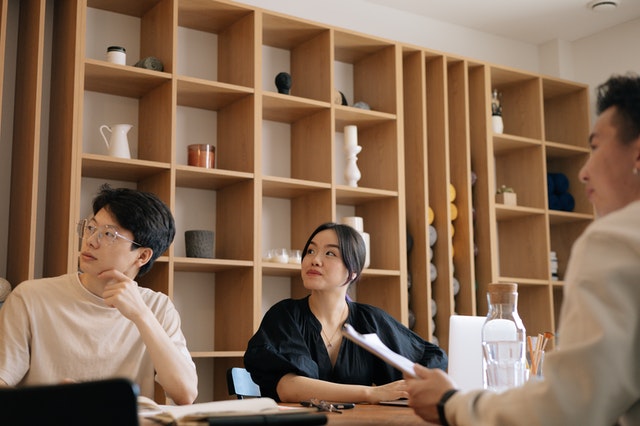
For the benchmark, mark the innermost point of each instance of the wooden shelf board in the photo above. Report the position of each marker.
(504, 77)
(284, 33)
(557, 217)
(347, 115)
(355, 196)
(214, 179)
(121, 80)
(126, 7)
(280, 269)
(211, 95)
(288, 108)
(107, 167)
(293, 270)
(552, 88)
(209, 16)
(504, 143)
(560, 150)
(191, 264)
(514, 212)
(524, 281)
(278, 187)
(351, 48)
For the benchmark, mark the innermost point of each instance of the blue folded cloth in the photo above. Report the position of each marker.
(560, 182)
(567, 202)
(551, 186)
(554, 202)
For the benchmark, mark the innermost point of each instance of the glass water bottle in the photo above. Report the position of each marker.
(503, 339)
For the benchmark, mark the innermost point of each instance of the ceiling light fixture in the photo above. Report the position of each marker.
(603, 5)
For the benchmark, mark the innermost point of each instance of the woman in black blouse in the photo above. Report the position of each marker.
(298, 352)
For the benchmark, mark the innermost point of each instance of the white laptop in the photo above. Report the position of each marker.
(465, 351)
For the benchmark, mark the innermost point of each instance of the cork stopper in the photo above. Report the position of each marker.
(502, 292)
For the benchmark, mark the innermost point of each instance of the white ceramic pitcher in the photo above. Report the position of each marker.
(118, 143)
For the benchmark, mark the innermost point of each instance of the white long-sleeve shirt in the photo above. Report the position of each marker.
(52, 329)
(593, 376)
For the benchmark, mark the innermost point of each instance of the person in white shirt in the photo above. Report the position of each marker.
(593, 375)
(98, 323)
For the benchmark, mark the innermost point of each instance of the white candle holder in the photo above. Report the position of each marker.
(351, 148)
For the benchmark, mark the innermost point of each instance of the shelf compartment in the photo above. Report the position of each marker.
(416, 200)
(234, 34)
(381, 222)
(460, 176)
(568, 161)
(523, 170)
(522, 247)
(217, 114)
(378, 160)
(564, 230)
(148, 111)
(374, 70)
(564, 103)
(520, 100)
(535, 306)
(235, 292)
(150, 35)
(384, 292)
(307, 50)
(297, 149)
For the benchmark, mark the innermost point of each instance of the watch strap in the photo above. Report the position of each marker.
(445, 397)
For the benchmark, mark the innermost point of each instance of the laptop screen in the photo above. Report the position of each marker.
(465, 351)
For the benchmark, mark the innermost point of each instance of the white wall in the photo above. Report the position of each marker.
(613, 51)
(392, 24)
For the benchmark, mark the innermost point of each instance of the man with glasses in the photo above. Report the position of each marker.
(98, 323)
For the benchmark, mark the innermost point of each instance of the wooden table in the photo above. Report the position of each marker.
(366, 414)
(361, 414)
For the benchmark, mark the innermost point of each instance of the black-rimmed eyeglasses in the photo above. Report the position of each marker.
(106, 233)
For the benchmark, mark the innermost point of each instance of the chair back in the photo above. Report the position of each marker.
(240, 383)
(98, 403)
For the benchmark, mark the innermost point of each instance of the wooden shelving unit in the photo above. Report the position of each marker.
(279, 163)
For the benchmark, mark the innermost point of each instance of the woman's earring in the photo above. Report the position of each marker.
(635, 171)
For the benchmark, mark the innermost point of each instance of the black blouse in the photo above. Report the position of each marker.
(289, 341)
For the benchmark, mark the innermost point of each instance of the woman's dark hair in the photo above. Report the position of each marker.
(622, 92)
(149, 219)
(351, 246)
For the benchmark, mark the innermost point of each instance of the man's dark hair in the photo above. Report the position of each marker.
(144, 214)
(623, 93)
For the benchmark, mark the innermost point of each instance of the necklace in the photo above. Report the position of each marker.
(330, 339)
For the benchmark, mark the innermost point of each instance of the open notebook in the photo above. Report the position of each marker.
(465, 351)
(248, 411)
